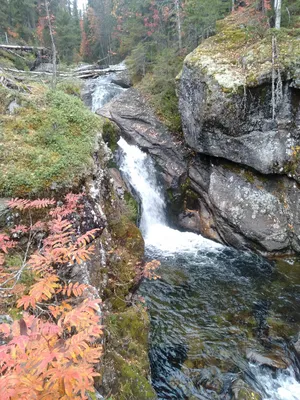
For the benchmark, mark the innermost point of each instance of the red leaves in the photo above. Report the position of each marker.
(21, 204)
(6, 243)
(51, 357)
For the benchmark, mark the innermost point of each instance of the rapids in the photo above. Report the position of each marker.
(211, 305)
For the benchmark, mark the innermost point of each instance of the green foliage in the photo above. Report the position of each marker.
(12, 60)
(70, 87)
(46, 145)
(68, 35)
(160, 87)
(110, 135)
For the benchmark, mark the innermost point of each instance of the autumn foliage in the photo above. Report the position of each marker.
(51, 352)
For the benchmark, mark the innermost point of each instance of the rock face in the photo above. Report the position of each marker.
(217, 198)
(139, 126)
(226, 101)
(248, 182)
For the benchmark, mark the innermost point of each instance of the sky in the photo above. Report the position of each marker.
(81, 3)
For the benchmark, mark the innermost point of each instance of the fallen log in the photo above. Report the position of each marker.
(22, 48)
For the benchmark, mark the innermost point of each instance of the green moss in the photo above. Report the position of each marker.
(129, 250)
(15, 313)
(128, 337)
(249, 176)
(110, 135)
(132, 207)
(241, 52)
(48, 143)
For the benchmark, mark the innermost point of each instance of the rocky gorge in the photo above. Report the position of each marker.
(233, 176)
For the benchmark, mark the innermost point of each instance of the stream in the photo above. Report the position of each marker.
(221, 319)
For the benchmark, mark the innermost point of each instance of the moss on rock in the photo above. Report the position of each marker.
(127, 358)
(240, 54)
(110, 135)
(46, 144)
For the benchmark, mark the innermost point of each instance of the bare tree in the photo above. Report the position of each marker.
(277, 7)
(54, 53)
(178, 20)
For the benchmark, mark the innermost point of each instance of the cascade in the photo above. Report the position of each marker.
(207, 296)
(207, 258)
(138, 169)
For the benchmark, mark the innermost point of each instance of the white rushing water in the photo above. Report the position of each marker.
(140, 173)
(283, 386)
(105, 90)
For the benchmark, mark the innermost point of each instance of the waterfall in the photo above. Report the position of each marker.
(189, 306)
(104, 91)
(139, 171)
(164, 242)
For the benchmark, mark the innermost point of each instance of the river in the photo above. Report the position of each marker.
(220, 317)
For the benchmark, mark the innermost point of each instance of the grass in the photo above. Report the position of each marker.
(47, 144)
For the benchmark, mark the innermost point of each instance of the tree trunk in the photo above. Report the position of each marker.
(277, 7)
(53, 46)
(178, 19)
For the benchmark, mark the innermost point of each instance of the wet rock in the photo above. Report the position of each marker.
(276, 360)
(297, 345)
(123, 79)
(209, 378)
(139, 125)
(242, 391)
(189, 220)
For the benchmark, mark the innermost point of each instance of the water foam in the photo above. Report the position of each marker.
(282, 386)
(139, 170)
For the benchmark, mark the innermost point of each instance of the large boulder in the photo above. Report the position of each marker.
(246, 209)
(227, 104)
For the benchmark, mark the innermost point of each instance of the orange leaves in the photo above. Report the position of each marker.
(42, 290)
(82, 317)
(51, 356)
(76, 289)
(85, 239)
(46, 365)
(150, 268)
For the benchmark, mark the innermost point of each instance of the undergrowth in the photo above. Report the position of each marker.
(47, 143)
